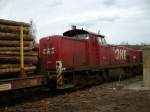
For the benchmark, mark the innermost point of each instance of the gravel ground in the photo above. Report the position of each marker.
(108, 97)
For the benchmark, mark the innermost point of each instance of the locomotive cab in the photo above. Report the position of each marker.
(77, 33)
(85, 35)
(101, 40)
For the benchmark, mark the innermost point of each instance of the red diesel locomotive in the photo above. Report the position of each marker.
(83, 57)
(76, 59)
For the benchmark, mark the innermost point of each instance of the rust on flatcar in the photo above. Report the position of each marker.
(19, 83)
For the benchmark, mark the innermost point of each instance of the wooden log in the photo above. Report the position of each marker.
(15, 70)
(15, 49)
(16, 59)
(18, 53)
(13, 23)
(4, 66)
(36, 47)
(11, 36)
(13, 29)
(30, 72)
(14, 43)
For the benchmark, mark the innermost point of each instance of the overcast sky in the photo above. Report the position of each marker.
(118, 20)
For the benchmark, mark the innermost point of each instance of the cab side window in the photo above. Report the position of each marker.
(101, 41)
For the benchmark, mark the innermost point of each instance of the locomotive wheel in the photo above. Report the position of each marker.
(83, 78)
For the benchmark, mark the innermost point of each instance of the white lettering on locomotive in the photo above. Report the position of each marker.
(44, 51)
(49, 51)
(120, 54)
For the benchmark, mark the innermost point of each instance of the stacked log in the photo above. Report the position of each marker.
(10, 48)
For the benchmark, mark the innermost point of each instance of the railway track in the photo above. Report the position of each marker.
(13, 98)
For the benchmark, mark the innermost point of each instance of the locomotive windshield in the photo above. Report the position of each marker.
(102, 41)
(82, 36)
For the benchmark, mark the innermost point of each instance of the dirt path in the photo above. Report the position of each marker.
(101, 98)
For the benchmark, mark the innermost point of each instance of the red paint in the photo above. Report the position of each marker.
(75, 52)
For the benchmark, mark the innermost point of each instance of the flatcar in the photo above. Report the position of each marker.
(80, 57)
